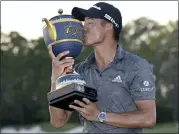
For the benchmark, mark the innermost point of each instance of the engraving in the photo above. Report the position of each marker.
(73, 32)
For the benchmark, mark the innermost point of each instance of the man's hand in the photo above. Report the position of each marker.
(89, 110)
(58, 66)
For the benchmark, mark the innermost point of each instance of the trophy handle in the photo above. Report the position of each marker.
(51, 30)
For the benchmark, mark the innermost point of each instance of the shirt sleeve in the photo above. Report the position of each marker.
(142, 86)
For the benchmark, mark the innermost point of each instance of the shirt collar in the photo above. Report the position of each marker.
(90, 60)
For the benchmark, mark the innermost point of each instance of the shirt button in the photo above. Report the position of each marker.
(100, 75)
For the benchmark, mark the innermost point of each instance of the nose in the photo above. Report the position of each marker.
(85, 27)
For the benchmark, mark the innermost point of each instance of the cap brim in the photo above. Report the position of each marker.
(80, 14)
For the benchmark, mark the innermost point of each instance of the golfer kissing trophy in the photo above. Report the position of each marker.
(64, 33)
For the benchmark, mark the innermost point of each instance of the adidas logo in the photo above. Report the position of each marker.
(117, 79)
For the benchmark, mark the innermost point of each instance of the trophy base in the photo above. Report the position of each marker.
(63, 97)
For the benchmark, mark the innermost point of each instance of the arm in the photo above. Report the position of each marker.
(58, 117)
(142, 89)
(144, 117)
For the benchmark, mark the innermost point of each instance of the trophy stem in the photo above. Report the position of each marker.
(69, 70)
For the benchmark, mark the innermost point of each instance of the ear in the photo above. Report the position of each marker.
(108, 26)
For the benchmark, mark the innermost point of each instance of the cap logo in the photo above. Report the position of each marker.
(111, 19)
(94, 6)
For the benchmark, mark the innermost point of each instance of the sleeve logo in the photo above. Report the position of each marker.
(146, 83)
(146, 88)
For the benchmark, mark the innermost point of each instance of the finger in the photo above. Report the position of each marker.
(60, 55)
(86, 101)
(56, 62)
(64, 62)
(82, 114)
(80, 110)
(71, 60)
(67, 64)
(51, 52)
(80, 103)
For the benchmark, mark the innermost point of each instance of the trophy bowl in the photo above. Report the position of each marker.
(63, 33)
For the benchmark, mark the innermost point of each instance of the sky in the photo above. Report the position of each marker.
(25, 17)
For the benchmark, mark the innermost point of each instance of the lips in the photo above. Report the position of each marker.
(84, 35)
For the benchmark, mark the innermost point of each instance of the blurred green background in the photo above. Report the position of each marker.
(26, 71)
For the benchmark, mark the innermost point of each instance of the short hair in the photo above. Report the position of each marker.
(116, 32)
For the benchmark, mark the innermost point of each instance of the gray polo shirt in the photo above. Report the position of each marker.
(127, 79)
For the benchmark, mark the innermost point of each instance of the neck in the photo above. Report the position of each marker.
(105, 53)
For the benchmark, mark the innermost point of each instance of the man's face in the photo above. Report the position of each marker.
(93, 31)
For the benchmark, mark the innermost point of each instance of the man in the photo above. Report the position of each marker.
(124, 82)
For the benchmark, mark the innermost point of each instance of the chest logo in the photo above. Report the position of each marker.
(117, 79)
